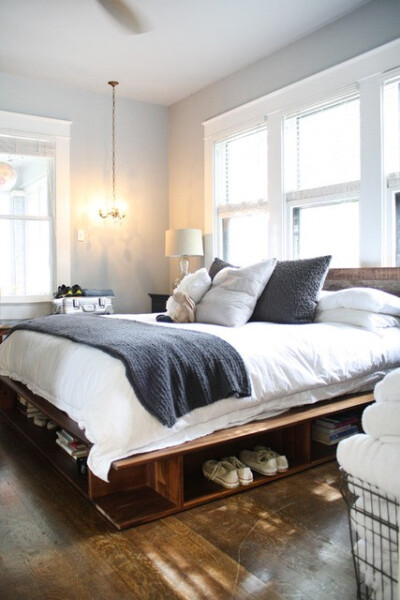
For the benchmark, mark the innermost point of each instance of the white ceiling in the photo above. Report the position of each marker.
(188, 44)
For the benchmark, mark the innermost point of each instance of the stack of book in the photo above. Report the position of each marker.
(73, 446)
(29, 410)
(331, 430)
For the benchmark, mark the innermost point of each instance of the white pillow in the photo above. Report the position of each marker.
(194, 285)
(231, 299)
(370, 299)
(359, 318)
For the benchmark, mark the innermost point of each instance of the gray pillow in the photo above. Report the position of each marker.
(290, 296)
(233, 294)
(217, 265)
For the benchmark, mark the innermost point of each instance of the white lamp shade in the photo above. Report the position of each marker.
(183, 242)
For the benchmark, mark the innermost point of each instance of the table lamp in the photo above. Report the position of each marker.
(183, 243)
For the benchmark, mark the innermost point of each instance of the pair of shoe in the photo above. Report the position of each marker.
(40, 420)
(229, 472)
(65, 291)
(264, 460)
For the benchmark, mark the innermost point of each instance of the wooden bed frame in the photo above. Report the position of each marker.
(152, 485)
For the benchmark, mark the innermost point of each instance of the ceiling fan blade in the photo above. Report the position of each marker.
(124, 15)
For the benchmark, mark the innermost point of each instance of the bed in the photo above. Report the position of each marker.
(141, 469)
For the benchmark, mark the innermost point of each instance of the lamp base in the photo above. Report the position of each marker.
(184, 266)
(184, 270)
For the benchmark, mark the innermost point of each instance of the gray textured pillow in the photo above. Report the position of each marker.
(290, 296)
(217, 265)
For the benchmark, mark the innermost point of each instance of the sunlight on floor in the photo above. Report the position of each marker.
(215, 575)
(327, 492)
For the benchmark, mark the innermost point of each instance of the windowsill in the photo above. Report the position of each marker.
(25, 308)
(25, 299)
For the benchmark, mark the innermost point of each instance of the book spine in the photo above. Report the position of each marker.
(67, 436)
(330, 432)
(73, 443)
(317, 436)
(338, 424)
(70, 451)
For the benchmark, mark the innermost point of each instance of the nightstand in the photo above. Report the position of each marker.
(158, 302)
(4, 331)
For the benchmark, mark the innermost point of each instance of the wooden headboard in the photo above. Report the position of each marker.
(382, 278)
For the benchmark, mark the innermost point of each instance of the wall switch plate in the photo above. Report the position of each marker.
(81, 235)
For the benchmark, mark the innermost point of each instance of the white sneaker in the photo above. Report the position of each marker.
(244, 473)
(221, 472)
(260, 461)
(282, 462)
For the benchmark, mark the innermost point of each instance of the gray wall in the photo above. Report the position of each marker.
(370, 26)
(128, 258)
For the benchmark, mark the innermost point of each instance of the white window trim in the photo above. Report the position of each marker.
(365, 72)
(21, 125)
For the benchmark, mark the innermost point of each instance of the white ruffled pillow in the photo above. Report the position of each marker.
(231, 299)
(194, 285)
(373, 321)
(367, 299)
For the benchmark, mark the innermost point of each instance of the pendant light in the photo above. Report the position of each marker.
(115, 213)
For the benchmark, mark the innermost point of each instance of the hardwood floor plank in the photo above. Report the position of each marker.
(193, 565)
(284, 537)
(286, 540)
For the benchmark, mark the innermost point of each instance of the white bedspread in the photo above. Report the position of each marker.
(289, 365)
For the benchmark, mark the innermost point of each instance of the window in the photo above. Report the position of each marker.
(333, 183)
(241, 177)
(26, 217)
(34, 213)
(322, 181)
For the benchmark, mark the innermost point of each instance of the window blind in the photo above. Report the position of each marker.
(241, 172)
(25, 146)
(322, 150)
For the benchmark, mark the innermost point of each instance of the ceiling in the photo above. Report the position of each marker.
(186, 44)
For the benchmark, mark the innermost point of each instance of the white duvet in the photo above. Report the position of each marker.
(288, 365)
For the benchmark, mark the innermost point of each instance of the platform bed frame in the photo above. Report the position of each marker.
(148, 486)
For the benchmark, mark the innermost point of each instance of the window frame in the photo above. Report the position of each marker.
(57, 131)
(365, 74)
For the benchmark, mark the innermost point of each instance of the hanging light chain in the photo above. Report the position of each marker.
(115, 212)
(113, 84)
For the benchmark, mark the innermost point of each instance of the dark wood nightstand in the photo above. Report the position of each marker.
(4, 331)
(158, 302)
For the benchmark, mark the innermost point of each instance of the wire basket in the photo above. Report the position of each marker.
(374, 536)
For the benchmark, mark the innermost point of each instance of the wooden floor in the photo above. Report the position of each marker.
(285, 540)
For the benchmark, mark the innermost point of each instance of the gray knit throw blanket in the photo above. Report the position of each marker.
(172, 371)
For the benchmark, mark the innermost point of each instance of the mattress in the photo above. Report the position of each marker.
(288, 365)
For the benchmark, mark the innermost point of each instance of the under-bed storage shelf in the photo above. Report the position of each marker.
(131, 507)
(289, 434)
(149, 486)
(44, 442)
(293, 441)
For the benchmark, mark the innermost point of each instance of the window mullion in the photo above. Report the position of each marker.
(372, 209)
(275, 191)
